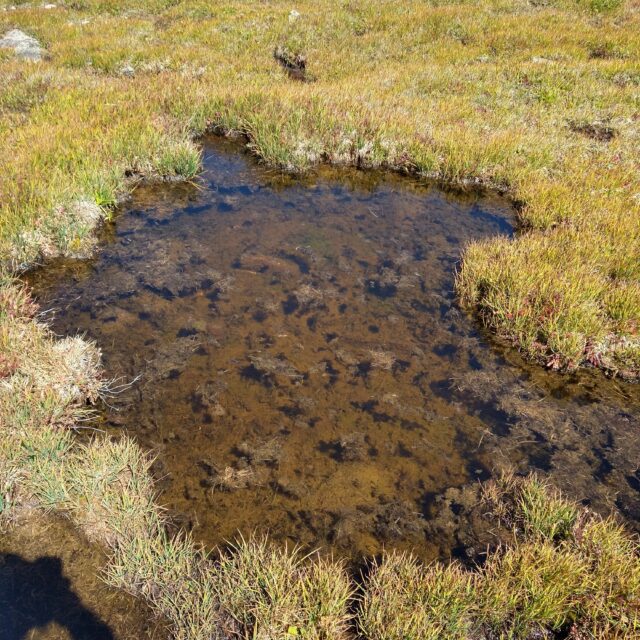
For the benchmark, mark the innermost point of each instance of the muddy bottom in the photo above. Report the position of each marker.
(50, 588)
(299, 366)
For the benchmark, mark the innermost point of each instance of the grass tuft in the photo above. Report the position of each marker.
(405, 601)
(544, 512)
(273, 593)
(175, 577)
(531, 588)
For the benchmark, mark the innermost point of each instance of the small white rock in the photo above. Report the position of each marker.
(127, 70)
(293, 15)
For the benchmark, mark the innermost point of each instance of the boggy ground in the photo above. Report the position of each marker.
(566, 571)
(538, 98)
(281, 337)
(299, 366)
(547, 568)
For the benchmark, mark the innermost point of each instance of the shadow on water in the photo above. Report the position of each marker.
(36, 594)
(51, 587)
(304, 369)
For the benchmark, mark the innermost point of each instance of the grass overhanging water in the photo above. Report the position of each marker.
(537, 99)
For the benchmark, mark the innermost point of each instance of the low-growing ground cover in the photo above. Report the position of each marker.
(537, 98)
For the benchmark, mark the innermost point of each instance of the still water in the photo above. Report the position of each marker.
(299, 366)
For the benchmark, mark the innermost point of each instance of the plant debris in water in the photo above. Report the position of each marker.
(282, 391)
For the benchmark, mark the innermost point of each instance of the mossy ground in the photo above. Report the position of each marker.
(537, 98)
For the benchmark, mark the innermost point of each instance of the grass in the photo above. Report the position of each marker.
(537, 98)
(272, 592)
(581, 582)
(532, 507)
(405, 601)
(533, 587)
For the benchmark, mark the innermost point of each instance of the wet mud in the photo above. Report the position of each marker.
(299, 366)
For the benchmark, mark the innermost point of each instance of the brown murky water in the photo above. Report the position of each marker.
(299, 365)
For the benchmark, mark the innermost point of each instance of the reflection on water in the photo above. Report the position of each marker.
(304, 369)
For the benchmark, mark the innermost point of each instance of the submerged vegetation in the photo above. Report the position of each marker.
(553, 568)
(539, 99)
(536, 98)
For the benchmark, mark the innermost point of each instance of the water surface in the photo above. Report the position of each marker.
(301, 366)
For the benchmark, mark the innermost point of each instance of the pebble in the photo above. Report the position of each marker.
(127, 71)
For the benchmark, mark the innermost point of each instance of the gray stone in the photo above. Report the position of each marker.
(127, 70)
(24, 46)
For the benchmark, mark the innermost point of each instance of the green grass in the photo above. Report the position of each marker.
(530, 506)
(175, 577)
(563, 569)
(271, 592)
(405, 601)
(544, 512)
(533, 587)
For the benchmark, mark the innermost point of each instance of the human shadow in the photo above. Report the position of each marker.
(35, 594)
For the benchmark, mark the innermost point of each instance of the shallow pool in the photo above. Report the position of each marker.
(292, 352)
